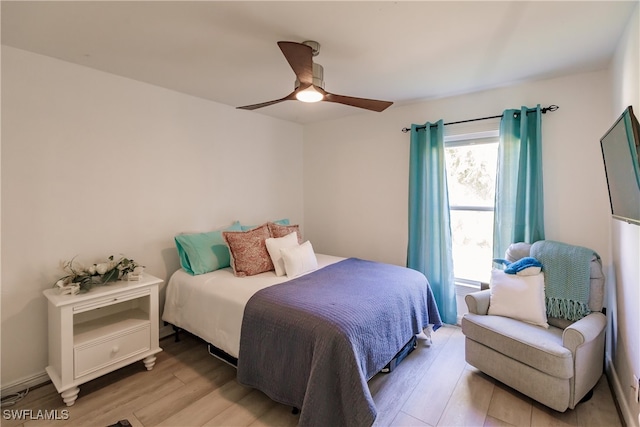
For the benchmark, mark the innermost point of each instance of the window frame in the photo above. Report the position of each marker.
(462, 139)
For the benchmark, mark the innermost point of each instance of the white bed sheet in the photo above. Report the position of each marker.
(211, 305)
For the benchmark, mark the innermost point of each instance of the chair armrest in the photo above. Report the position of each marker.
(583, 331)
(478, 302)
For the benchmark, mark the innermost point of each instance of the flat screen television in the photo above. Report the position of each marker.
(621, 154)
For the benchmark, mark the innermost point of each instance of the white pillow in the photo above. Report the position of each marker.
(518, 297)
(274, 244)
(299, 260)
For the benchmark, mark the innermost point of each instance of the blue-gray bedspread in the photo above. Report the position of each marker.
(313, 342)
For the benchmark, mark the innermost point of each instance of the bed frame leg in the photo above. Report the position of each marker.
(177, 331)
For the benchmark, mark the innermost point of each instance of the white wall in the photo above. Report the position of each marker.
(94, 164)
(356, 168)
(624, 318)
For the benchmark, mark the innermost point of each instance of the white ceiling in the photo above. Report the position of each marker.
(396, 51)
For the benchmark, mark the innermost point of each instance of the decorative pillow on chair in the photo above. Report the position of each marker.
(518, 297)
(299, 259)
(274, 244)
(203, 252)
(249, 255)
(279, 230)
(527, 266)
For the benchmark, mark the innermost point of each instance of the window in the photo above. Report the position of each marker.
(471, 176)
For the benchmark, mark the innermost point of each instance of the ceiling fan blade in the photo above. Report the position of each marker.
(291, 96)
(367, 104)
(299, 56)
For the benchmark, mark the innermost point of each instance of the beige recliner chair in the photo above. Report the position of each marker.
(557, 366)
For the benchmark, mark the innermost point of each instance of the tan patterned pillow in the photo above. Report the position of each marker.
(278, 230)
(249, 255)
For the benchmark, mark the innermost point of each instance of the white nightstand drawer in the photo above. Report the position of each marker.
(93, 356)
(92, 305)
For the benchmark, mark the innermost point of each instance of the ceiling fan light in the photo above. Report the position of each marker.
(310, 94)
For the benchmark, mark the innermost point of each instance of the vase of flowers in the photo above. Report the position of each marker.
(81, 278)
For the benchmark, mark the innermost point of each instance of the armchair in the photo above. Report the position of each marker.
(557, 366)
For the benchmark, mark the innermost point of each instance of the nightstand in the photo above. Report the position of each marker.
(99, 331)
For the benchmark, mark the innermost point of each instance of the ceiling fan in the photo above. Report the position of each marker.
(309, 85)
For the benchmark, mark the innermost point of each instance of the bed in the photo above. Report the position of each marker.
(311, 342)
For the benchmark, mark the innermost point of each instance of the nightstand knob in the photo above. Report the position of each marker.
(115, 349)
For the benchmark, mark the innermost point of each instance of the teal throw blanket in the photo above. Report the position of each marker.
(567, 275)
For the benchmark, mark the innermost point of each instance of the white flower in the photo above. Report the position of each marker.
(102, 268)
(85, 277)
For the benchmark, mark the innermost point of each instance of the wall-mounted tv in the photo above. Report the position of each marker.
(621, 154)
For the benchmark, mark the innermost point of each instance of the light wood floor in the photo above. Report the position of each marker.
(187, 387)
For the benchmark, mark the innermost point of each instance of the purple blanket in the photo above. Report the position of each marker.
(313, 342)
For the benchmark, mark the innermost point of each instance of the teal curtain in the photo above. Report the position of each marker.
(519, 209)
(429, 249)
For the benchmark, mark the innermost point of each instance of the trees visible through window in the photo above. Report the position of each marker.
(471, 177)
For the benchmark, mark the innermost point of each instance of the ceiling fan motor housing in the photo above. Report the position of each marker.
(315, 47)
(318, 77)
(300, 58)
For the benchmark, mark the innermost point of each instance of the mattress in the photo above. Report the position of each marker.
(211, 305)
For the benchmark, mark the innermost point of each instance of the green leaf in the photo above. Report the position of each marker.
(110, 276)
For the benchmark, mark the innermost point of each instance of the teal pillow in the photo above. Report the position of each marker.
(204, 252)
(284, 221)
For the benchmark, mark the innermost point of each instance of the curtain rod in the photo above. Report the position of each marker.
(543, 110)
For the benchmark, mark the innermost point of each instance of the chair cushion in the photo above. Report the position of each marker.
(532, 345)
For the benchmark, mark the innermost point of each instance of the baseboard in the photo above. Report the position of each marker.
(25, 383)
(166, 331)
(619, 394)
